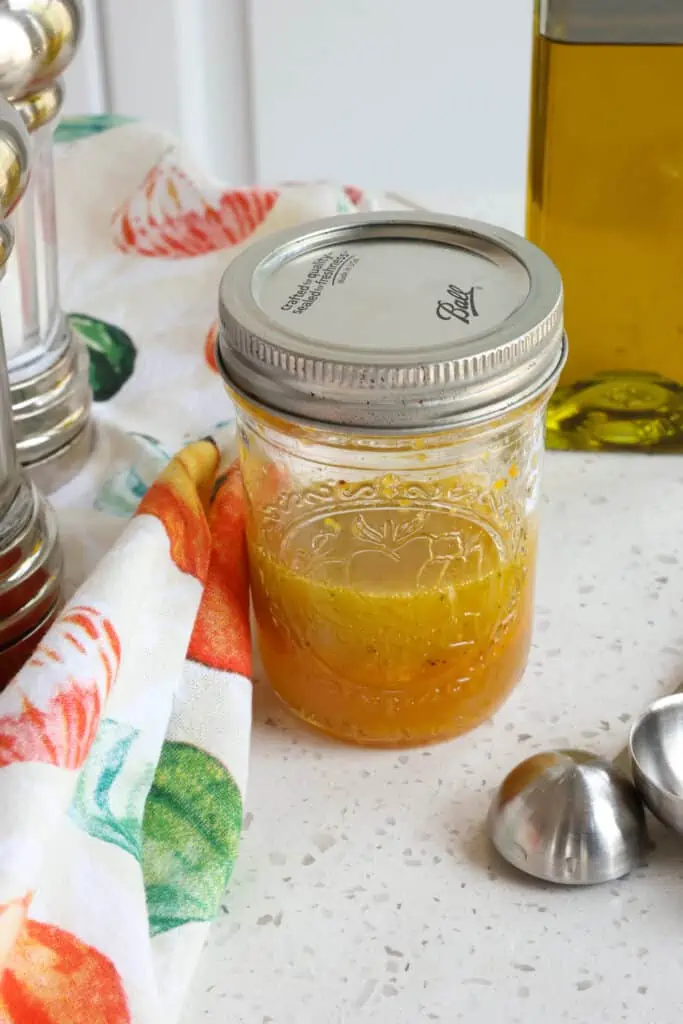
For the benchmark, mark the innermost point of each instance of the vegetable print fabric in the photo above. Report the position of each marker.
(124, 739)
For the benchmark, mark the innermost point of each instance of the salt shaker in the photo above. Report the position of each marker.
(30, 553)
(48, 366)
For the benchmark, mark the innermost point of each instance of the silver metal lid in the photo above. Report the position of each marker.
(654, 22)
(391, 320)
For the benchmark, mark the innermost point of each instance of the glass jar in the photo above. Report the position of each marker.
(392, 504)
(605, 201)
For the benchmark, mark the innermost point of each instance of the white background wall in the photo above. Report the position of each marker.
(415, 95)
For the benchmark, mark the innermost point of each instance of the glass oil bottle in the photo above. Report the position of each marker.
(605, 201)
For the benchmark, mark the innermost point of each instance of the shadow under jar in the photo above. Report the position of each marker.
(391, 374)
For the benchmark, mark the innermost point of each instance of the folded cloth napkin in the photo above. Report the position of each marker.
(124, 740)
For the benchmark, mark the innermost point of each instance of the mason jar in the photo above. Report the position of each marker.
(391, 374)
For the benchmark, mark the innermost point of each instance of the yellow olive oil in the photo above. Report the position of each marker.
(605, 201)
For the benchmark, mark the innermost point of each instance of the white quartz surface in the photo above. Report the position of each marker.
(365, 888)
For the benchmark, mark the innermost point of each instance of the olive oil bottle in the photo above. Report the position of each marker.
(605, 201)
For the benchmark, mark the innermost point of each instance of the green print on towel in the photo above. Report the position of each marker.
(72, 129)
(112, 354)
(121, 493)
(191, 832)
(112, 787)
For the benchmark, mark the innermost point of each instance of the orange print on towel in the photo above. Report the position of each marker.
(221, 638)
(169, 215)
(210, 347)
(51, 977)
(179, 498)
(82, 652)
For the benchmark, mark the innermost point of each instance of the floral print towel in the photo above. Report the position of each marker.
(124, 740)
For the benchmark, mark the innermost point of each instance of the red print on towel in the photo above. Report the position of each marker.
(170, 216)
(52, 977)
(82, 654)
(221, 638)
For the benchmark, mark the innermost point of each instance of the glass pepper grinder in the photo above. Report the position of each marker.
(30, 553)
(48, 366)
(605, 201)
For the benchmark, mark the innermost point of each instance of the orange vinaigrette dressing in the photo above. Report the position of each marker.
(392, 621)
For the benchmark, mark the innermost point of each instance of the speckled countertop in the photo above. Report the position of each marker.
(366, 890)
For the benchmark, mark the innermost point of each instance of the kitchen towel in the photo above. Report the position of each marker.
(123, 764)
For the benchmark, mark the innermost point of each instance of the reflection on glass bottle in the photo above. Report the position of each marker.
(31, 565)
(31, 311)
(48, 366)
(605, 200)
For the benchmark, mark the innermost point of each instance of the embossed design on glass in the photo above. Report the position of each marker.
(393, 606)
